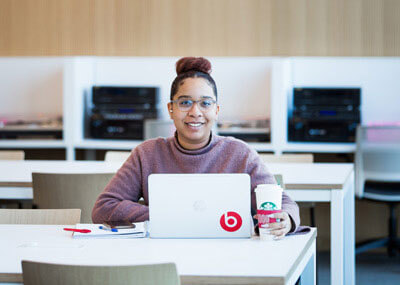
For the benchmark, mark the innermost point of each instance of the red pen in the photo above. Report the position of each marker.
(83, 231)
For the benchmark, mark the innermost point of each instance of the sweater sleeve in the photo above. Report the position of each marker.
(260, 175)
(119, 200)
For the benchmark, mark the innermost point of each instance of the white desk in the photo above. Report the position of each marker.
(16, 176)
(334, 183)
(214, 261)
(328, 182)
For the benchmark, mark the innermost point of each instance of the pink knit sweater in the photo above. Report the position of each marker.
(222, 155)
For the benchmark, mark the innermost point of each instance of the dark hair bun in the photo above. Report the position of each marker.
(186, 64)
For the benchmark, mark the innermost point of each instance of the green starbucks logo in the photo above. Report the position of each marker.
(268, 206)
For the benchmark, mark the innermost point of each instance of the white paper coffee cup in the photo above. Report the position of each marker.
(269, 197)
(269, 201)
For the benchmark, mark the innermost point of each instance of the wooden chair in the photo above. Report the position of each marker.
(40, 217)
(35, 273)
(290, 158)
(116, 156)
(65, 191)
(12, 155)
(293, 158)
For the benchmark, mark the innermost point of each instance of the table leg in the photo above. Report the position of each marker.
(337, 236)
(349, 229)
(309, 273)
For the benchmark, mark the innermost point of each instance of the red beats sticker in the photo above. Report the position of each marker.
(231, 221)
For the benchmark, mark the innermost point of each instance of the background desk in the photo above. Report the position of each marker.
(334, 183)
(327, 182)
(16, 176)
(214, 261)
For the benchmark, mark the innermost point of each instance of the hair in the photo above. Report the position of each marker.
(192, 67)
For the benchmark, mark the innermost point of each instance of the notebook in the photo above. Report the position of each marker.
(96, 231)
(199, 206)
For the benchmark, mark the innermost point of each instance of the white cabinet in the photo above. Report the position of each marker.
(244, 90)
(248, 88)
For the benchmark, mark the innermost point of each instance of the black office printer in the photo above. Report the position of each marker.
(120, 112)
(324, 114)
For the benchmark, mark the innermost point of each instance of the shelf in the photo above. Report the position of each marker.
(5, 143)
(380, 146)
(128, 145)
(320, 147)
(107, 144)
(261, 146)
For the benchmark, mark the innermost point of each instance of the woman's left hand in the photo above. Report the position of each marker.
(281, 228)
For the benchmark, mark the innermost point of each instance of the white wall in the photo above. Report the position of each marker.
(379, 79)
(244, 87)
(243, 83)
(31, 87)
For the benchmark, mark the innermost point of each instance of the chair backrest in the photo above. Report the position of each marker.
(279, 180)
(40, 216)
(289, 158)
(377, 155)
(64, 191)
(35, 273)
(116, 156)
(12, 155)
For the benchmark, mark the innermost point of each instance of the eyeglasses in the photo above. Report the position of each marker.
(204, 104)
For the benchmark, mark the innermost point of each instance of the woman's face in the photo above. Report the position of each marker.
(193, 125)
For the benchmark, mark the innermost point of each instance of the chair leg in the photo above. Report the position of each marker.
(312, 216)
(371, 244)
(392, 243)
(392, 231)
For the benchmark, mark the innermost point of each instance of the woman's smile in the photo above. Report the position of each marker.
(195, 125)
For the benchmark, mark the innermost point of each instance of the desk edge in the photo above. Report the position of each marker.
(15, 184)
(301, 255)
(225, 280)
(11, 277)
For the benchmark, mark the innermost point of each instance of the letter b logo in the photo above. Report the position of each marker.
(231, 221)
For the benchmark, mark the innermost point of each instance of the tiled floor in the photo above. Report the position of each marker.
(371, 268)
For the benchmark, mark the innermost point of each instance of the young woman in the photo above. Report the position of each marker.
(193, 149)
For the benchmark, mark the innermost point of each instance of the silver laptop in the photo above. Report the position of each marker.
(199, 206)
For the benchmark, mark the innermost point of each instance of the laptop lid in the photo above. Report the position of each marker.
(199, 205)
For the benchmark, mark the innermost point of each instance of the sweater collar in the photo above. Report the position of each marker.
(195, 151)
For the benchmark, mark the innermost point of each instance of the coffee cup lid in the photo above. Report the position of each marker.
(268, 187)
